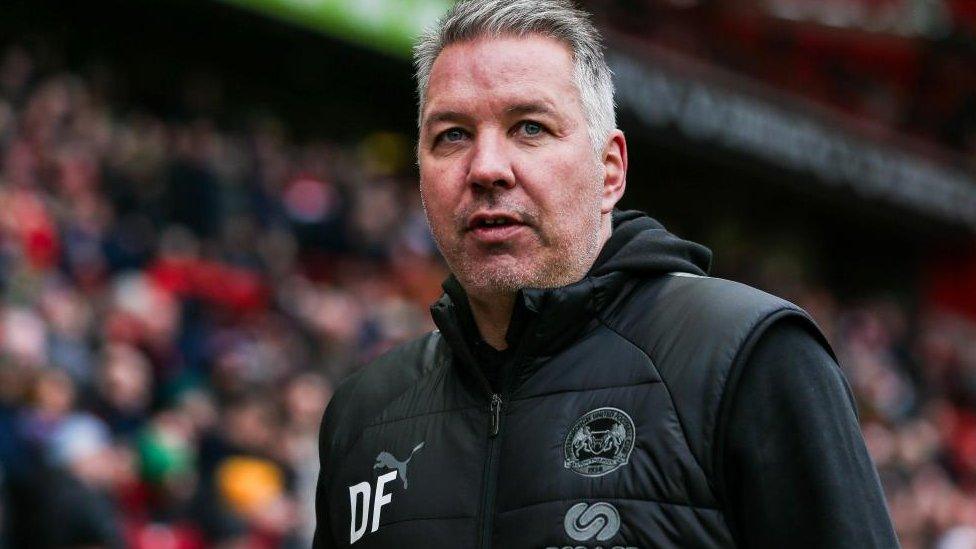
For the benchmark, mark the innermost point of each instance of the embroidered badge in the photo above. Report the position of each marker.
(599, 442)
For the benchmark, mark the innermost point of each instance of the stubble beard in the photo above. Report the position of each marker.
(556, 261)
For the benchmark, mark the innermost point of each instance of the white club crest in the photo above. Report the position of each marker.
(599, 442)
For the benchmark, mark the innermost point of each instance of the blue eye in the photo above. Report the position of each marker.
(453, 135)
(531, 128)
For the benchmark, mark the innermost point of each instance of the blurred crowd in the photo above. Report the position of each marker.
(178, 301)
(177, 304)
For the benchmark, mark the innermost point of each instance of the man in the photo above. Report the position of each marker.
(588, 386)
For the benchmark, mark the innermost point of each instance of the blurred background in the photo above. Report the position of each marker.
(209, 216)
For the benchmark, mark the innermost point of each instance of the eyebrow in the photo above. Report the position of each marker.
(519, 109)
(531, 108)
(446, 116)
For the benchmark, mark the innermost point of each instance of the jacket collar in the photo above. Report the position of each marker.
(543, 319)
(546, 320)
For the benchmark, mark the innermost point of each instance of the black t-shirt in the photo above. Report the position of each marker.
(493, 363)
(796, 470)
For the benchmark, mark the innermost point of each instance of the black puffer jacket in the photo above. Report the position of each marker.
(599, 432)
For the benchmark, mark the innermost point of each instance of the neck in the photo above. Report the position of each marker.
(493, 314)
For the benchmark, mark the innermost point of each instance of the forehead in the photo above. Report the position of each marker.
(498, 71)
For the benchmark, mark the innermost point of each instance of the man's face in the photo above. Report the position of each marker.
(512, 187)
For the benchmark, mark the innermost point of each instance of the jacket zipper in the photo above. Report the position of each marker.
(496, 414)
(491, 467)
(496, 401)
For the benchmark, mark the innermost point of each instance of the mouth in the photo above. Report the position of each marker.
(494, 227)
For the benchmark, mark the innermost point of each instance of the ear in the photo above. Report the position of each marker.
(615, 171)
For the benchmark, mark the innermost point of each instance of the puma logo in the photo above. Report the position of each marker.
(386, 459)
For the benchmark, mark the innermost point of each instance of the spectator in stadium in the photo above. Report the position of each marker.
(588, 383)
(83, 470)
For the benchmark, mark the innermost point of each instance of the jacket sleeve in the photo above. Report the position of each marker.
(323, 538)
(796, 470)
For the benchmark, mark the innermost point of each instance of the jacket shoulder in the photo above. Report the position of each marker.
(696, 330)
(684, 312)
(364, 394)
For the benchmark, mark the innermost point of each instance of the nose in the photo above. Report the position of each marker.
(491, 167)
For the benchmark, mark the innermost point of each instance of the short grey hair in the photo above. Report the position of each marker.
(557, 19)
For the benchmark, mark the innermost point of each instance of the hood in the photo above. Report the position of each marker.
(641, 246)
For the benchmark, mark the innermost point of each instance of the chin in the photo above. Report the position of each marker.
(489, 280)
(507, 273)
(497, 277)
